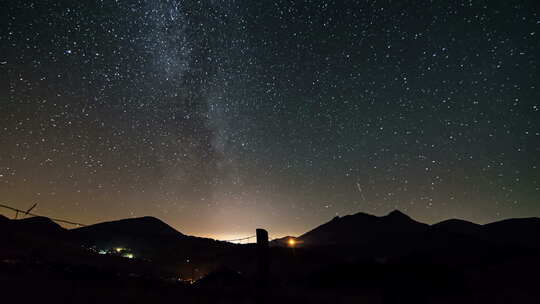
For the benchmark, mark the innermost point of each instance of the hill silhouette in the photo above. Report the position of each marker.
(365, 229)
(523, 232)
(459, 226)
(365, 235)
(149, 238)
(152, 237)
(38, 224)
(134, 227)
(393, 257)
(362, 228)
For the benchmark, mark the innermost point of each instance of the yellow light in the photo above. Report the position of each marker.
(292, 242)
(118, 249)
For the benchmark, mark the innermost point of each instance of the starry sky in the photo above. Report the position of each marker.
(219, 117)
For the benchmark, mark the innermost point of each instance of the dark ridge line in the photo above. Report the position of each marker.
(33, 214)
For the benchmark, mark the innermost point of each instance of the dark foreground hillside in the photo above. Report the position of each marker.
(450, 262)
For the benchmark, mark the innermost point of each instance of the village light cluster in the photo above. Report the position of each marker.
(118, 251)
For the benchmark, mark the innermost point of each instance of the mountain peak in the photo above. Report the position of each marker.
(147, 219)
(455, 222)
(132, 226)
(37, 219)
(38, 223)
(362, 228)
(397, 214)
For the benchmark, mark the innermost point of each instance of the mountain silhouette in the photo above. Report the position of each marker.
(362, 228)
(284, 241)
(392, 254)
(35, 224)
(462, 227)
(134, 227)
(148, 237)
(3, 219)
(352, 237)
(523, 232)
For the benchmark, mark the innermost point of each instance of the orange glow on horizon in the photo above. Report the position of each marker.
(292, 242)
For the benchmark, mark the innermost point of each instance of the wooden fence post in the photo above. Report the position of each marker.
(262, 259)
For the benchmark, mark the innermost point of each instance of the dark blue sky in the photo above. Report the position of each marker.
(222, 117)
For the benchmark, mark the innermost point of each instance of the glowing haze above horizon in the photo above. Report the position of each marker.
(219, 117)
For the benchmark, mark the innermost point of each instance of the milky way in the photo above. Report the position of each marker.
(222, 116)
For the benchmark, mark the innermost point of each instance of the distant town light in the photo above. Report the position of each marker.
(129, 255)
(292, 242)
(118, 249)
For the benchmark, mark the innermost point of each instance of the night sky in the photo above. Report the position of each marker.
(219, 117)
